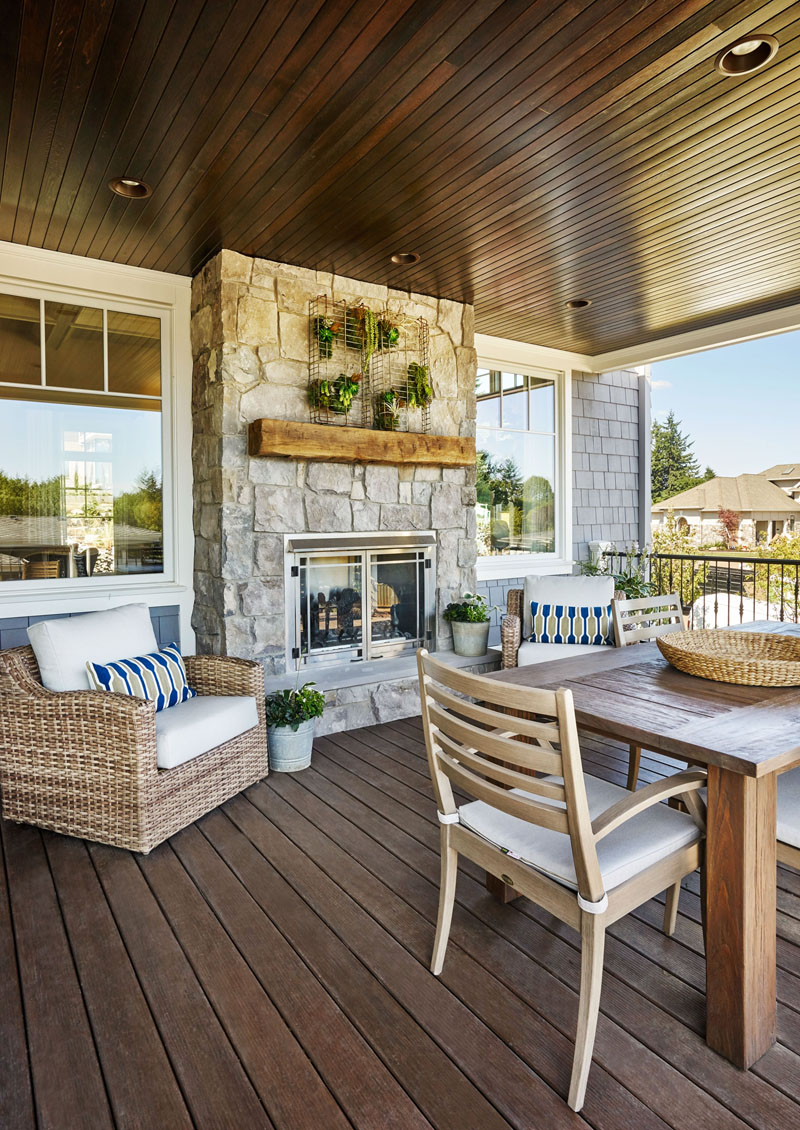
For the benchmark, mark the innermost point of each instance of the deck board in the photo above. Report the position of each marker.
(268, 968)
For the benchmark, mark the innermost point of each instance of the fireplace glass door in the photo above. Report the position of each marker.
(361, 605)
(330, 604)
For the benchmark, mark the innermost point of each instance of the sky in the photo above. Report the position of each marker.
(740, 404)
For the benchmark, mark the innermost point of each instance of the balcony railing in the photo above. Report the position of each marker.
(717, 590)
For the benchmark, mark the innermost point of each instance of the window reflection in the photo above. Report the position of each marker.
(20, 349)
(73, 351)
(516, 462)
(80, 491)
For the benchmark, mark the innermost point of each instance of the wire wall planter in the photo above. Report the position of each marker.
(338, 389)
(368, 369)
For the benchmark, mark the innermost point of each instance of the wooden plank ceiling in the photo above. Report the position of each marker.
(530, 153)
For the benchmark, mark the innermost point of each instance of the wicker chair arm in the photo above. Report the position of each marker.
(225, 674)
(510, 639)
(71, 725)
(514, 599)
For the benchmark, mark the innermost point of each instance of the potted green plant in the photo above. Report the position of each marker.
(326, 330)
(388, 405)
(470, 621)
(420, 389)
(291, 719)
(388, 332)
(335, 396)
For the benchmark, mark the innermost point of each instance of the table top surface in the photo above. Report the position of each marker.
(633, 694)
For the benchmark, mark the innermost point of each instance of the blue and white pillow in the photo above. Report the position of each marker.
(568, 623)
(159, 677)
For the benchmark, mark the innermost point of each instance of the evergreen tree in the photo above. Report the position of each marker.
(674, 465)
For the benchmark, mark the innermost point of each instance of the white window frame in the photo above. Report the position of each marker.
(54, 277)
(507, 356)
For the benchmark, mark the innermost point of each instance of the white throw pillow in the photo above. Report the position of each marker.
(564, 590)
(63, 647)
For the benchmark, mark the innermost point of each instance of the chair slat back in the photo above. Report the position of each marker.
(646, 618)
(486, 744)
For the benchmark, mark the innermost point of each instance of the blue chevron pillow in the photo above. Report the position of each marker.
(567, 623)
(159, 677)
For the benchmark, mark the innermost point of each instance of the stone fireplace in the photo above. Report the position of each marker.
(254, 516)
(359, 597)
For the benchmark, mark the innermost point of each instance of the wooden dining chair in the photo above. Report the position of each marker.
(638, 621)
(585, 850)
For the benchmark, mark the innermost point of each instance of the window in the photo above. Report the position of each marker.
(516, 470)
(80, 441)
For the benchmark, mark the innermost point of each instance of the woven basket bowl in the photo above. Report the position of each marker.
(754, 659)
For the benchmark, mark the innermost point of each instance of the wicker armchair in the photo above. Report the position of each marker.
(83, 763)
(511, 627)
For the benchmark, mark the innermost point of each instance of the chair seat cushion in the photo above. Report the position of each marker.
(545, 652)
(630, 849)
(65, 645)
(789, 808)
(200, 724)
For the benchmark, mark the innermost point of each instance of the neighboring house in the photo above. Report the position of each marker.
(786, 476)
(765, 509)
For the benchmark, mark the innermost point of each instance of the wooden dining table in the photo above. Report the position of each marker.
(745, 736)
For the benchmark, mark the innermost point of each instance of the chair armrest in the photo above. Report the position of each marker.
(225, 674)
(71, 725)
(510, 639)
(690, 780)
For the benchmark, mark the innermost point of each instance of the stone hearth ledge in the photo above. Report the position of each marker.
(379, 690)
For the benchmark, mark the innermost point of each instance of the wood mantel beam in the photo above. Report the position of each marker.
(358, 445)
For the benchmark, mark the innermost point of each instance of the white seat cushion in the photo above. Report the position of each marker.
(545, 652)
(576, 591)
(642, 841)
(789, 808)
(63, 647)
(200, 724)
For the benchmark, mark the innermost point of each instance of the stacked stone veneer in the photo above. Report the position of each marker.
(605, 459)
(250, 346)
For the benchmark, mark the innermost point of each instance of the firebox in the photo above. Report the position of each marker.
(358, 597)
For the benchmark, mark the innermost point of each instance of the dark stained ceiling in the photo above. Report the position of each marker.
(529, 152)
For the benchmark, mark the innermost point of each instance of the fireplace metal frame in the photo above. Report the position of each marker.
(305, 545)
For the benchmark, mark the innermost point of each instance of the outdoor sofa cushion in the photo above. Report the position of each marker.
(64, 646)
(200, 724)
(564, 590)
(623, 853)
(159, 677)
(570, 623)
(546, 652)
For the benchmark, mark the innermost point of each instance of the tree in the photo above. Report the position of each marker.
(141, 507)
(729, 520)
(674, 465)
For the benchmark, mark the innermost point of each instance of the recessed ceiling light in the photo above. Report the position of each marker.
(578, 303)
(405, 258)
(130, 187)
(746, 55)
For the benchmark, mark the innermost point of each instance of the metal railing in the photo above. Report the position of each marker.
(717, 590)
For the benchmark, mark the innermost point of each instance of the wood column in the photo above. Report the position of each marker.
(741, 915)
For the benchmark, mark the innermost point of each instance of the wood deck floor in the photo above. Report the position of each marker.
(268, 968)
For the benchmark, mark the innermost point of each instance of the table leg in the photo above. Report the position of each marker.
(741, 922)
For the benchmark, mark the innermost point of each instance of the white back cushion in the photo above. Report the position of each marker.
(578, 591)
(63, 647)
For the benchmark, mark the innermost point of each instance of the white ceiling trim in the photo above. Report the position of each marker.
(697, 341)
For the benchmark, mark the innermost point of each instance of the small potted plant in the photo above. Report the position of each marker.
(420, 389)
(470, 620)
(291, 718)
(335, 396)
(326, 331)
(387, 410)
